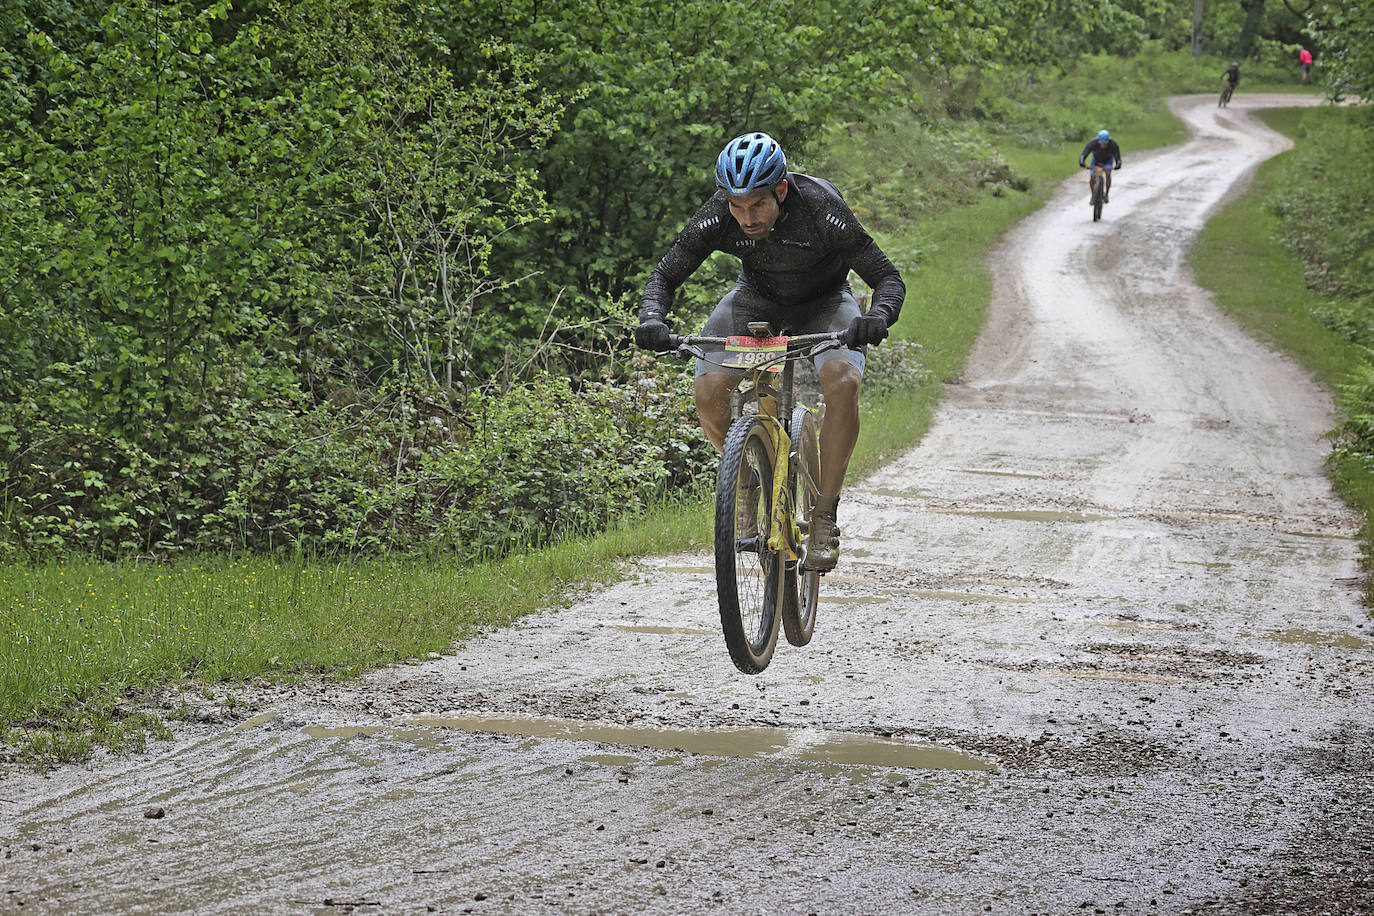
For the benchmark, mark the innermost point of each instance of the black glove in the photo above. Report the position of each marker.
(652, 334)
(867, 331)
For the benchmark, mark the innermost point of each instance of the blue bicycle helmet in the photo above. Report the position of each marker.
(1103, 136)
(750, 162)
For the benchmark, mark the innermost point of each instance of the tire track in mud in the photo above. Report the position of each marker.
(1093, 644)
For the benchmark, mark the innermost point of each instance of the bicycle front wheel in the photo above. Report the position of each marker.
(749, 576)
(802, 590)
(1097, 199)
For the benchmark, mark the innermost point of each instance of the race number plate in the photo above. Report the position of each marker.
(753, 352)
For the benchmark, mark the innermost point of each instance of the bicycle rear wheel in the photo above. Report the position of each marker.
(749, 576)
(801, 591)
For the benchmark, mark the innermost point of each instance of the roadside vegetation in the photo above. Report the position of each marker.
(360, 387)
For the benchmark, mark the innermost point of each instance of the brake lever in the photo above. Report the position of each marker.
(685, 350)
(842, 340)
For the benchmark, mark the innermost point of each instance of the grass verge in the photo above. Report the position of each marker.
(86, 644)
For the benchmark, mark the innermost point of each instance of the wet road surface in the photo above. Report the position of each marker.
(1095, 646)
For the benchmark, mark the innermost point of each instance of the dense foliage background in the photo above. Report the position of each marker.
(324, 275)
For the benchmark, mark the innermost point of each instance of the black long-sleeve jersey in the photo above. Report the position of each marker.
(1105, 153)
(814, 244)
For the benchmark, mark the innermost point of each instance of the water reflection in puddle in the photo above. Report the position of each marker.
(812, 745)
(1312, 638)
(261, 718)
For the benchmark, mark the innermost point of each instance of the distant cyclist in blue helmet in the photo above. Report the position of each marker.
(1105, 153)
(797, 241)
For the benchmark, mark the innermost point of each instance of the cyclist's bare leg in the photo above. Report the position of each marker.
(712, 390)
(840, 381)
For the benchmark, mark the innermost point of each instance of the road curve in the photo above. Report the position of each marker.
(1095, 645)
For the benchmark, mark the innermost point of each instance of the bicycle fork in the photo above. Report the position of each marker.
(783, 533)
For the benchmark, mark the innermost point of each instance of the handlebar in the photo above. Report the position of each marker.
(794, 342)
(800, 346)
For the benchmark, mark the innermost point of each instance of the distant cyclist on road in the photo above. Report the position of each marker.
(1232, 75)
(797, 241)
(1104, 152)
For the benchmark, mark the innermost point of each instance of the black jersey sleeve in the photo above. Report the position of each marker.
(692, 246)
(878, 271)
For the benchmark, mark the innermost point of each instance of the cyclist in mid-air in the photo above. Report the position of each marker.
(797, 240)
(1105, 153)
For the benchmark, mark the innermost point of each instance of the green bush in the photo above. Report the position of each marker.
(1324, 203)
(407, 470)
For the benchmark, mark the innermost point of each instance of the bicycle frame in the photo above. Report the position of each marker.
(1097, 181)
(771, 405)
(760, 358)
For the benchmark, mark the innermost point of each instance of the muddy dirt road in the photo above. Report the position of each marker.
(1095, 646)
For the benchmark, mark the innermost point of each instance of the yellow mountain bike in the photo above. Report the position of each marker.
(1227, 88)
(1099, 189)
(768, 483)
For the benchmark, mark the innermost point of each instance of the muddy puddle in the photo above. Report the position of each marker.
(1312, 638)
(663, 631)
(811, 745)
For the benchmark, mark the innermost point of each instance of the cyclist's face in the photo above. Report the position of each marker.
(756, 213)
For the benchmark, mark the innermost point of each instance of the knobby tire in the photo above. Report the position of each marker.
(1098, 183)
(801, 590)
(749, 576)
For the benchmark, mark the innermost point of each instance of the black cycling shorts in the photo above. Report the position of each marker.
(835, 312)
